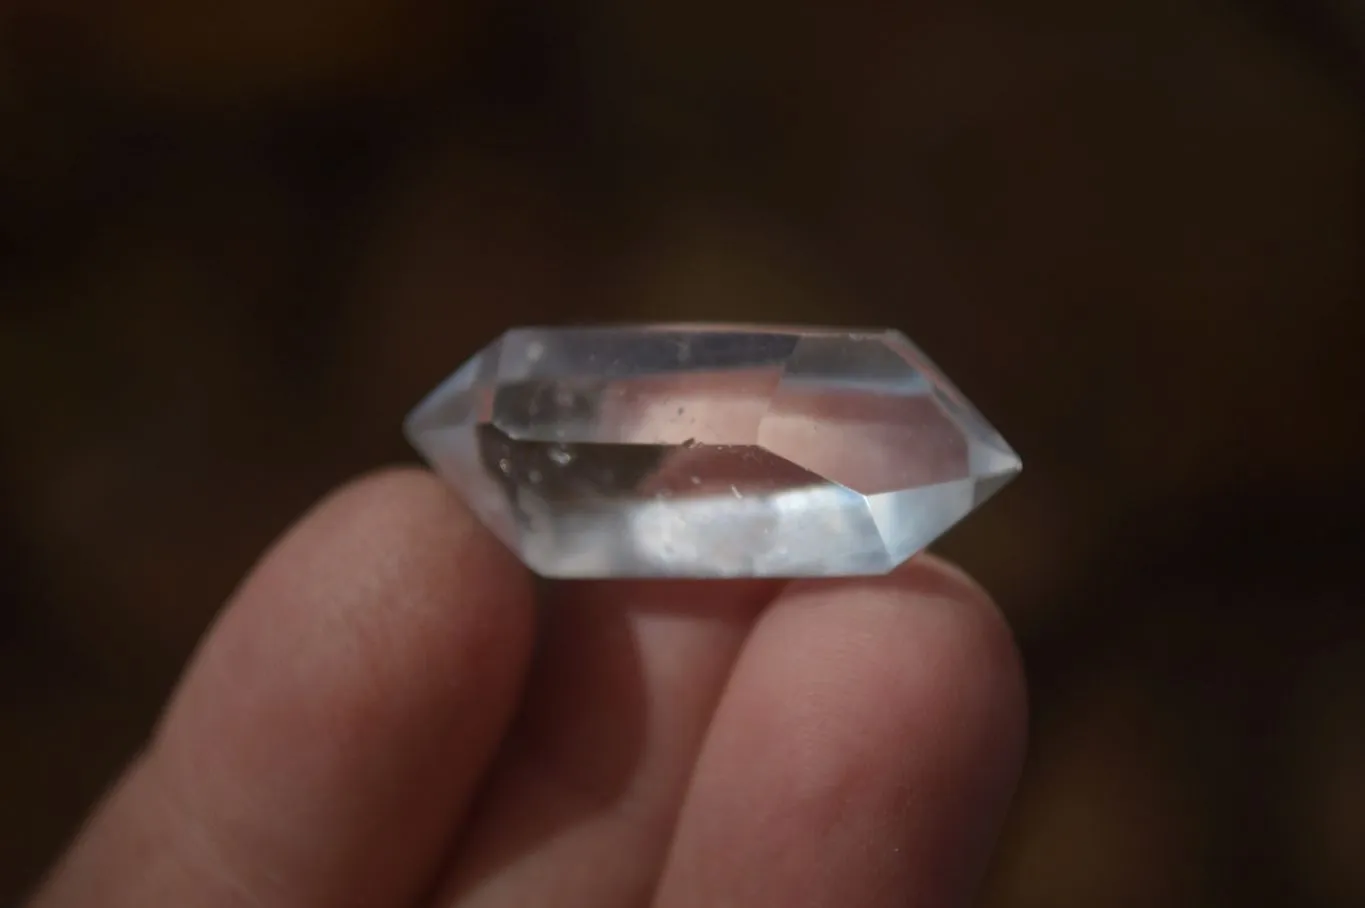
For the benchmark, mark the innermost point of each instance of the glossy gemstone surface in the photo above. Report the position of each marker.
(709, 450)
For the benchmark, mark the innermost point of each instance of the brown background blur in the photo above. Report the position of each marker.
(238, 240)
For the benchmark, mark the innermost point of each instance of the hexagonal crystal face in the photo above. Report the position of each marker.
(709, 451)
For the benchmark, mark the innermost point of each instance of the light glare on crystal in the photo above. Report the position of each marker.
(710, 451)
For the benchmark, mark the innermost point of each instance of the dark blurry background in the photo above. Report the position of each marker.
(238, 240)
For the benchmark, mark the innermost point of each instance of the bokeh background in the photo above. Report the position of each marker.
(238, 240)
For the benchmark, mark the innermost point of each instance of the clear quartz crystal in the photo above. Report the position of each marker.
(710, 450)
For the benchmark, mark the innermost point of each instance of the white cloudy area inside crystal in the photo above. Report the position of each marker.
(698, 451)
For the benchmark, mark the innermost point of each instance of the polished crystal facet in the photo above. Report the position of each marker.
(710, 451)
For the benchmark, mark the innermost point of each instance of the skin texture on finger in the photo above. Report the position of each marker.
(863, 754)
(582, 807)
(335, 723)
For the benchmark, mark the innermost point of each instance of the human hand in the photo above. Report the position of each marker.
(383, 718)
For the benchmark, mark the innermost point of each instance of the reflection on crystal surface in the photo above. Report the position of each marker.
(710, 451)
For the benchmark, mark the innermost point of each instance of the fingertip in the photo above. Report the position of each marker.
(926, 576)
(389, 513)
(940, 698)
(935, 653)
(867, 749)
(375, 590)
(945, 615)
(331, 730)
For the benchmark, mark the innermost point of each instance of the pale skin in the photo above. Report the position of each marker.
(384, 717)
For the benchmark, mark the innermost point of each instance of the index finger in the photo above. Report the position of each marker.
(326, 739)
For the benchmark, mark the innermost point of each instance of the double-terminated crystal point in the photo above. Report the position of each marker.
(710, 451)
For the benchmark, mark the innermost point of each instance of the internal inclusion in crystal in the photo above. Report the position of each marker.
(701, 451)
